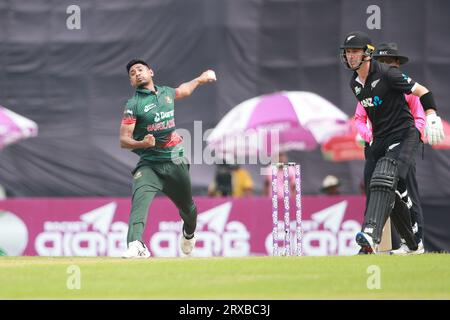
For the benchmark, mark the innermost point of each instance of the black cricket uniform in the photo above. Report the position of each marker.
(382, 97)
(394, 132)
(393, 127)
(395, 124)
(412, 198)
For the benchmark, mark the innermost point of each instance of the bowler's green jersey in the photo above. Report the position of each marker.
(153, 113)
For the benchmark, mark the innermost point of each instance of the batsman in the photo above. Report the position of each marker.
(381, 89)
(148, 129)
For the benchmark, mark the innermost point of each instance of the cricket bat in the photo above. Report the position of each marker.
(386, 240)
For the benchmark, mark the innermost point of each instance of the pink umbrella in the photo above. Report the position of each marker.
(14, 127)
(300, 120)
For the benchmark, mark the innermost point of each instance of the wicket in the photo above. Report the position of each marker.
(286, 199)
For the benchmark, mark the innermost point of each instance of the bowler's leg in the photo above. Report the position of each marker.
(177, 186)
(145, 186)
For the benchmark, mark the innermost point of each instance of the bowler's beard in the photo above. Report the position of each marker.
(143, 84)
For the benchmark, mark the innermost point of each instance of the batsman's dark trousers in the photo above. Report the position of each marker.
(171, 178)
(405, 153)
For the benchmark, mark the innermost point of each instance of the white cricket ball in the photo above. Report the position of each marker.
(211, 75)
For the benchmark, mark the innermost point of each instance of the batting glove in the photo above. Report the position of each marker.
(434, 129)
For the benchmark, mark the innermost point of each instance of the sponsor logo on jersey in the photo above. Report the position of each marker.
(148, 107)
(163, 115)
(371, 102)
(377, 101)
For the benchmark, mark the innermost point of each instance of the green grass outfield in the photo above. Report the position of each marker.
(409, 277)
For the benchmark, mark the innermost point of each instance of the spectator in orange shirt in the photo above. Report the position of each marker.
(242, 182)
(231, 180)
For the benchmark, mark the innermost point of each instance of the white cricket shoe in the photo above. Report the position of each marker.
(136, 250)
(187, 245)
(404, 250)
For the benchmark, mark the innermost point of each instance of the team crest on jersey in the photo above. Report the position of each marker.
(137, 175)
(357, 90)
(374, 83)
(168, 99)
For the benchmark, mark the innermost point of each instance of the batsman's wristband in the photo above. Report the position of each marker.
(427, 101)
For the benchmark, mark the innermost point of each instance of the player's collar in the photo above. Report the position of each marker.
(146, 91)
(372, 69)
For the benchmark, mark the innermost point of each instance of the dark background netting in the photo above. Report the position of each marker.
(74, 85)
